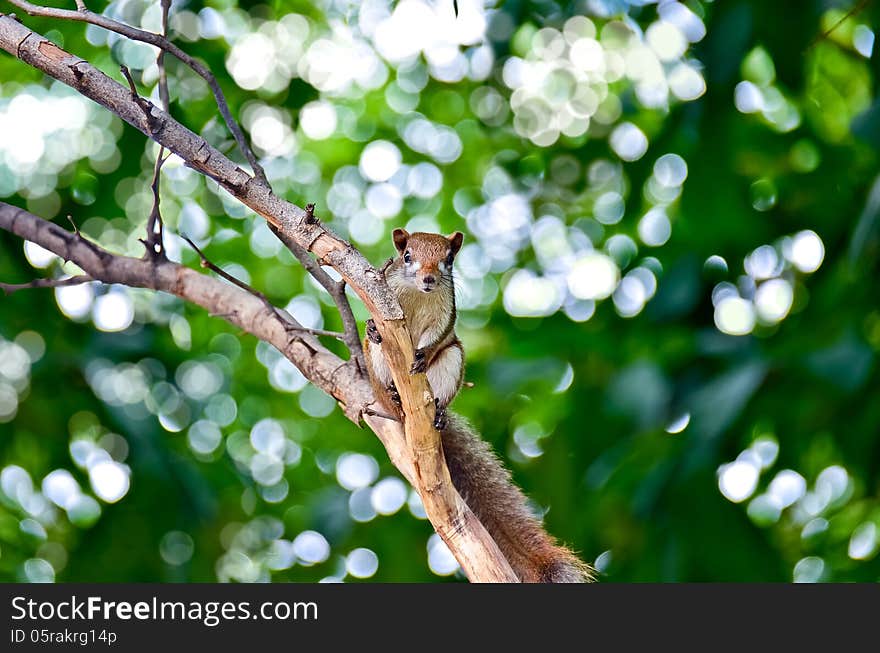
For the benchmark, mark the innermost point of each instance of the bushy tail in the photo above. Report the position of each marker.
(487, 488)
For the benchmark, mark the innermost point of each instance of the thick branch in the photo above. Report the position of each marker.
(82, 14)
(235, 305)
(248, 311)
(198, 154)
(477, 553)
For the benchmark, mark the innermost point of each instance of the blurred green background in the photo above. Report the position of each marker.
(668, 294)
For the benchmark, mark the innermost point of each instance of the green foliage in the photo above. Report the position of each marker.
(676, 355)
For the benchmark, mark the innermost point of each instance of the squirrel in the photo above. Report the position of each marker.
(421, 278)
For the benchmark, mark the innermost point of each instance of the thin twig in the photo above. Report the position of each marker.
(145, 105)
(160, 60)
(154, 241)
(82, 14)
(335, 288)
(9, 288)
(289, 323)
(127, 74)
(852, 12)
(206, 263)
(378, 413)
(315, 332)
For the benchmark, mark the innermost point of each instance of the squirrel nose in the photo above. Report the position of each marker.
(429, 280)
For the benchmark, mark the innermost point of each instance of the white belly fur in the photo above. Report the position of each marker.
(380, 367)
(444, 375)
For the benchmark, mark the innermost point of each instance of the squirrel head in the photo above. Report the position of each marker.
(425, 260)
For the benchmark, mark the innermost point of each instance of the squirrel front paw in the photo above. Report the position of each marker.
(394, 395)
(373, 333)
(420, 364)
(440, 420)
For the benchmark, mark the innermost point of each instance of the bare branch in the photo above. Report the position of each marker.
(223, 273)
(856, 8)
(239, 306)
(289, 322)
(131, 85)
(10, 288)
(154, 241)
(198, 154)
(164, 96)
(369, 410)
(82, 14)
(318, 332)
(422, 457)
(336, 289)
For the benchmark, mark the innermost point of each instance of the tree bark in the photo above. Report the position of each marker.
(419, 456)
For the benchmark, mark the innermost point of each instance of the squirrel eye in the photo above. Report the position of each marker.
(406, 257)
(449, 258)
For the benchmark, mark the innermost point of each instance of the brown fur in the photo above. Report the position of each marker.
(380, 389)
(476, 472)
(430, 316)
(487, 488)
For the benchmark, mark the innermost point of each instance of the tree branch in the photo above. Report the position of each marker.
(154, 241)
(82, 14)
(236, 305)
(856, 8)
(164, 96)
(453, 520)
(289, 322)
(9, 288)
(337, 292)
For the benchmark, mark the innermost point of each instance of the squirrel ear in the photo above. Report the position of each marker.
(455, 242)
(400, 237)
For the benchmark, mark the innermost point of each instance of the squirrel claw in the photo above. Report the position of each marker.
(440, 420)
(373, 333)
(394, 395)
(420, 363)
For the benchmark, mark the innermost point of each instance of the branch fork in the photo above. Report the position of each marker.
(417, 451)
